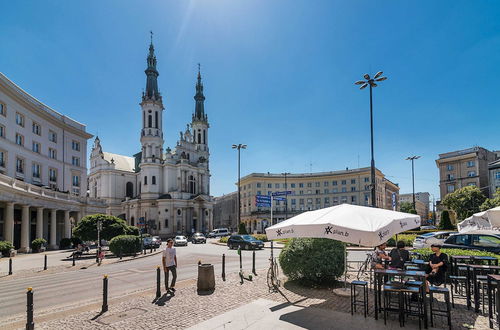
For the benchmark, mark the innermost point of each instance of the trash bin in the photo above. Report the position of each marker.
(206, 277)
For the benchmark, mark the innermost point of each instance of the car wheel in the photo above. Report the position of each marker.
(247, 247)
(231, 246)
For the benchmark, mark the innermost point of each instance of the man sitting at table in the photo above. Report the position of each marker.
(378, 255)
(438, 264)
(399, 256)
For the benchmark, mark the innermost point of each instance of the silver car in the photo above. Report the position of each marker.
(180, 241)
(427, 239)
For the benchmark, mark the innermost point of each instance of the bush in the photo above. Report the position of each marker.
(318, 260)
(223, 239)
(132, 230)
(5, 247)
(37, 243)
(65, 243)
(75, 241)
(111, 227)
(125, 244)
(457, 252)
(445, 222)
(242, 230)
(407, 238)
(262, 237)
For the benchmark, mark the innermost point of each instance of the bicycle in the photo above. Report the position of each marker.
(273, 282)
(365, 267)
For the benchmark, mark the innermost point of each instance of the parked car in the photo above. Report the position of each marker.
(198, 238)
(147, 242)
(427, 239)
(155, 242)
(245, 242)
(428, 227)
(220, 232)
(158, 238)
(180, 241)
(483, 240)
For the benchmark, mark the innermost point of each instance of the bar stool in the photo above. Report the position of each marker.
(412, 306)
(390, 290)
(436, 311)
(458, 287)
(355, 302)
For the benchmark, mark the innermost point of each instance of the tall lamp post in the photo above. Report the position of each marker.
(412, 158)
(239, 147)
(99, 228)
(372, 83)
(286, 196)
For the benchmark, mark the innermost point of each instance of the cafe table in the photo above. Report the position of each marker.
(455, 260)
(492, 261)
(494, 287)
(379, 275)
(471, 276)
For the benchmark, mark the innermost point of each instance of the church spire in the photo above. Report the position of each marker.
(199, 112)
(152, 74)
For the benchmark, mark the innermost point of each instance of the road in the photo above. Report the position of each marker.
(85, 284)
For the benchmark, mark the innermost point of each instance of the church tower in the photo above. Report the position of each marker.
(199, 122)
(152, 132)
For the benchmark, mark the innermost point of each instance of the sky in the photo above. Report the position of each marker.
(278, 75)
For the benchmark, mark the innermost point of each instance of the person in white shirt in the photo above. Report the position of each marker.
(169, 260)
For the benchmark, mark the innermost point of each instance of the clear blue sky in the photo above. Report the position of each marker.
(278, 76)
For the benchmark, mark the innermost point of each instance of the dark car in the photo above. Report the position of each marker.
(151, 243)
(198, 238)
(245, 242)
(474, 240)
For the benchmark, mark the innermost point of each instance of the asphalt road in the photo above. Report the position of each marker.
(71, 287)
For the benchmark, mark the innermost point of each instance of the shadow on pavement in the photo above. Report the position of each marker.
(162, 300)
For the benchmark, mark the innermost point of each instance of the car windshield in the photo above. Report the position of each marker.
(198, 235)
(179, 237)
(248, 238)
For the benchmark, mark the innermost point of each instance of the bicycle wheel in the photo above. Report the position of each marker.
(270, 276)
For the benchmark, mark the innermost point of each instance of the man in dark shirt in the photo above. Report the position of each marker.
(399, 256)
(438, 264)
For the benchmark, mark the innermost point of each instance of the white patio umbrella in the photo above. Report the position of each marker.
(365, 226)
(489, 219)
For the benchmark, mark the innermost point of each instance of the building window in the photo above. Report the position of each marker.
(76, 181)
(153, 179)
(75, 161)
(317, 184)
(269, 185)
(301, 201)
(353, 199)
(471, 163)
(317, 192)
(19, 119)
(36, 147)
(367, 179)
(326, 191)
(318, 200)
(344, 189)
(497, 175)
(309, 201)
(450, 177)
(293, 201)
(3, 109)
(145, 180)
(327, 200)
(276, 185)
(19, 165)
(471, 173)
(309, 184)
(367, 187)
(258, 184)
(52, 136)
(325, 183)
(2, 131)
(166, 223)
(450, 167)
(353, 181)
(334, 183)
(52, 175)
(472, 184)
(292, 185)
(36, 129)
(343, 199)
(301, 192)
(52, 153)
(301, 185)
(156, 119)
(450, 188)
(335, 190)
(36, 170)
(344, 182)
(19, 139)
(75, 145)
(3, 158)
(353, 188)
(150, 121)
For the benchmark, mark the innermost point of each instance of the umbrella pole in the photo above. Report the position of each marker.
(345, 268)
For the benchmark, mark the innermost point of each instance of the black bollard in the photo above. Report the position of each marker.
(151, 251)
(45, 263)
(30, 325)
(241, 263)
(73, 258)
(121, 254)
(158, 280)
(223, 267)
(104, 294)
(253, 263)
(10, 266)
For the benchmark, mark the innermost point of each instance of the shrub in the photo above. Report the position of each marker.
(132, 230)
(223, 239)
(125, 244)
(65, 243)
(262, 237)
(313, 259)
(407, 238)
(457, 252)
(445, 222)
(75, 241)
(37, 243)
(242, 230)
(5, 247)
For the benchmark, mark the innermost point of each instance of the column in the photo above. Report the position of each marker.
(39, 222)
(53, 228)
(9, 222)
(67, 225)
(78, 217)
(25, 229)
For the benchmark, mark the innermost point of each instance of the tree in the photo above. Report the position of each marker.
(406, 207)
(490, 203)
(111, 227)
(445, 223)
(242, 230)
(465, 201)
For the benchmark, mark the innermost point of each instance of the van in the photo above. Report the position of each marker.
(219, 232)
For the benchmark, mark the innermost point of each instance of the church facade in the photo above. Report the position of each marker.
(167, 191)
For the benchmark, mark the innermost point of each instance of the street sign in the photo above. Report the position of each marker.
(263, 197)
(279, 199)
(263, 204)
(282, 193)
(394, 201)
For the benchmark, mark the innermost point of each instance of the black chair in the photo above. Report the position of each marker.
(435, 310)
(354, 301)
(396, 306)
(413, 303)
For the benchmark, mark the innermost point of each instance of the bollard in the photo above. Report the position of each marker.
(45, 263)
(151, 251)
(10, 266)
(223, 267)
(73, 258)
(158, 280)
(104, 294)
(30, 325)
(253, 263)
(241, 263)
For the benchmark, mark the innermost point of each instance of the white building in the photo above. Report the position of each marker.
(42, 170)
(169, 190)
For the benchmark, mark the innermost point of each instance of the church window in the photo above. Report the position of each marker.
(153, 179)
(166, 223)
(192, 185)
(156, 119)
(199, 138)
(159, 225)
(144, 119)
(204, 137)
(145, 180)
(132, 220)
(129, 190)
(150, 121)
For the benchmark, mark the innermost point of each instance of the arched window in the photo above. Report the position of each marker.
(199, 137)
(150, 121)
(129, 190)
(192, 185)
(156, 119)
(204, 136)
(145, 180)
(132, 220)
(144, 119)
(153, 179)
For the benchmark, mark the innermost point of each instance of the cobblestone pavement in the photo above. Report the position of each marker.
(187, 308)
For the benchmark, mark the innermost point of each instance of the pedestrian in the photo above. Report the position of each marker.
(379, 255)
(100, 255)
(169, 260)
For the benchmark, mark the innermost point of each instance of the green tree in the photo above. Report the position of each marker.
(406, 207)
(465, 201)
(445, 223)
(111, 227)
(242, 230)
(490, 203)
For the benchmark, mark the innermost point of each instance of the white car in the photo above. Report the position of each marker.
(180, 241)
(427, 239)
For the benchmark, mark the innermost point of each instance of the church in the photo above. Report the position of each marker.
(165, 191)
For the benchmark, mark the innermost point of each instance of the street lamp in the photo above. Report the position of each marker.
(99, 228)
(364, 83)
(412, 158)
(286, 196)
(239, 147)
